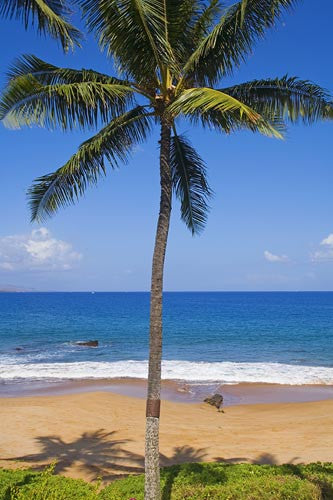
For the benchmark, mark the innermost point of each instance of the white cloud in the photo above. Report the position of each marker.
(326, 254)
(137, 149)
(37, 251)
(328, 241)
(271, 257)
(6, 266)
(322, 256)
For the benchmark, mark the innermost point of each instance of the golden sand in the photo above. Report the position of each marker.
(102, 434)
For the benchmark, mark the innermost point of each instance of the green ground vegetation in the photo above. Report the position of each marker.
(195, 481)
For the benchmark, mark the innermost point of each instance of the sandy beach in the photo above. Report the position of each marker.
(96, 434)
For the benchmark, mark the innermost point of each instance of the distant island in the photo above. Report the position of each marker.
(14, 289)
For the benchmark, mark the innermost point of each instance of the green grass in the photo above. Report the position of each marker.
(197, 481)
(29, 485)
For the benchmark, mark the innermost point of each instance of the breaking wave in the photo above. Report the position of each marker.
(190, 371)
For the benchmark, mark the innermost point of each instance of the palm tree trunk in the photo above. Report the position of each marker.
(152, 460)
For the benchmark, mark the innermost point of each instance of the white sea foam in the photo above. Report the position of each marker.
(224, 372)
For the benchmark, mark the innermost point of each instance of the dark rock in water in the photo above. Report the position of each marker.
(216, 400)
(89, 343)
(18, 348)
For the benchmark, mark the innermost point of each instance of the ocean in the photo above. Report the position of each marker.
(283, 338)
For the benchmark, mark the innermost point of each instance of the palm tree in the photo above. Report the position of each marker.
(50, 16)
(171, 56)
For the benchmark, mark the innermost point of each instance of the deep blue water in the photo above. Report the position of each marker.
(281, 337)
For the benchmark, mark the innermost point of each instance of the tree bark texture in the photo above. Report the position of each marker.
(152, 461)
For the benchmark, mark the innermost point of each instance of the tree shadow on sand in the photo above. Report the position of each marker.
(262, 459)
(183, 454)
(98, 454)
(95, 453)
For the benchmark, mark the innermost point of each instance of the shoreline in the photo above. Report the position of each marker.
(101, 434)
(173, 390)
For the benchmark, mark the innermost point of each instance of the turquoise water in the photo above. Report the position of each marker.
(223, 337)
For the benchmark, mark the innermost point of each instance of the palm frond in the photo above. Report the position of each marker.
(152, 21)
(133, 33)
(189, 183)
(50, 16)
(188, 21)
(288, 98)
(205, 20)
(48, 74)
(27, 102)
(201, 101)
(228, 123)
(113, 143)
(181, 16)
(232, 39)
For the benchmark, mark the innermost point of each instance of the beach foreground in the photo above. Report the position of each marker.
(101, 434)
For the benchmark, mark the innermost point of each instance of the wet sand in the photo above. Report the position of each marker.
(173, 390)
(102, 434)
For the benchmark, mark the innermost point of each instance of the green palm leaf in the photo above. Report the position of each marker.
(188, 21)
(133, 33)
(189, 182)
(228, 123)
(48, 74)
(27, 102)
(50, 16)
(207, 17)
(286, 98)
(201, 101)
(113, 143)
(232, 39)
(181, 16)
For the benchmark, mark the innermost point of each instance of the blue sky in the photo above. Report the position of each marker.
(271, 217)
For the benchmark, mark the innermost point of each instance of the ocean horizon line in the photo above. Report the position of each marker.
(92, 291)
